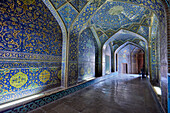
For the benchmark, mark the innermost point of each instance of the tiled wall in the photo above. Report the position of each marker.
(86, 60)
(153, 49)
(30, 49)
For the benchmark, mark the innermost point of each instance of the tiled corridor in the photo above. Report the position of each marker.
(120, 94)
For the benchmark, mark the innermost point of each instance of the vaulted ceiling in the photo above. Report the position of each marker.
(116, 15)
(107, 17)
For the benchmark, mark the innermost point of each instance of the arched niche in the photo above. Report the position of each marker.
(64, 72)
(87, 55)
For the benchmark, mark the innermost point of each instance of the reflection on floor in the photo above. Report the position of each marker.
(120, 94)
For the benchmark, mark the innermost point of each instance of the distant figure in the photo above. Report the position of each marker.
(143, 73)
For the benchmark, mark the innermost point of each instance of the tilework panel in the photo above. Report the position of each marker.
(17, 83)
(148, 13)
(103, 38)
(58, 3)
(30, 60)
(77, 26)
(26, 64)
(86, 64)
(99, 33)
(29, 29)
(68, 14)
(64, 36)
(134, 28)
(80, 21)
(154, 5)
(98, 3)
(86, 70)
(110, 32)
(73, 73)
(144, 31)
(124, 37)
(153, 47)
(79, 4)
(115, 15)
(146, 22)
(27, 56)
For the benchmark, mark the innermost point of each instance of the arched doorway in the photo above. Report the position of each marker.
(115, 40)
(130, 58)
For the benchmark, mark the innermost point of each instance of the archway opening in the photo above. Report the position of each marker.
(130, 59)
(120, 40)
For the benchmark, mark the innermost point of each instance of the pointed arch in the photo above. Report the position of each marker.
(112, 38)
(122, 47)
(64, 43)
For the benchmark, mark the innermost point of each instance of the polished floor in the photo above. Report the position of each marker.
(120, 94)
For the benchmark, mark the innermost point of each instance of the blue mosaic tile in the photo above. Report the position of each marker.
(28, 81)
(87, 50)
(79, 4)
(153, 49)
(99, 33)
(144, 31)
(68, 13)
(134, 28)
(103, 38)
(125, 37)
(58, 3)
(110, 32)
(29, 36)
(146, 22)
(23, 33)
(114, 15)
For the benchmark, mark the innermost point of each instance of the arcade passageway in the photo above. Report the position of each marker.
(123, 93)
(50, 49)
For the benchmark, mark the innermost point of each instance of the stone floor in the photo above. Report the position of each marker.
(119, 94)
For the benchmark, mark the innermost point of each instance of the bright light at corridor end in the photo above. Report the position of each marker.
(158, 90)
(19, 101)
